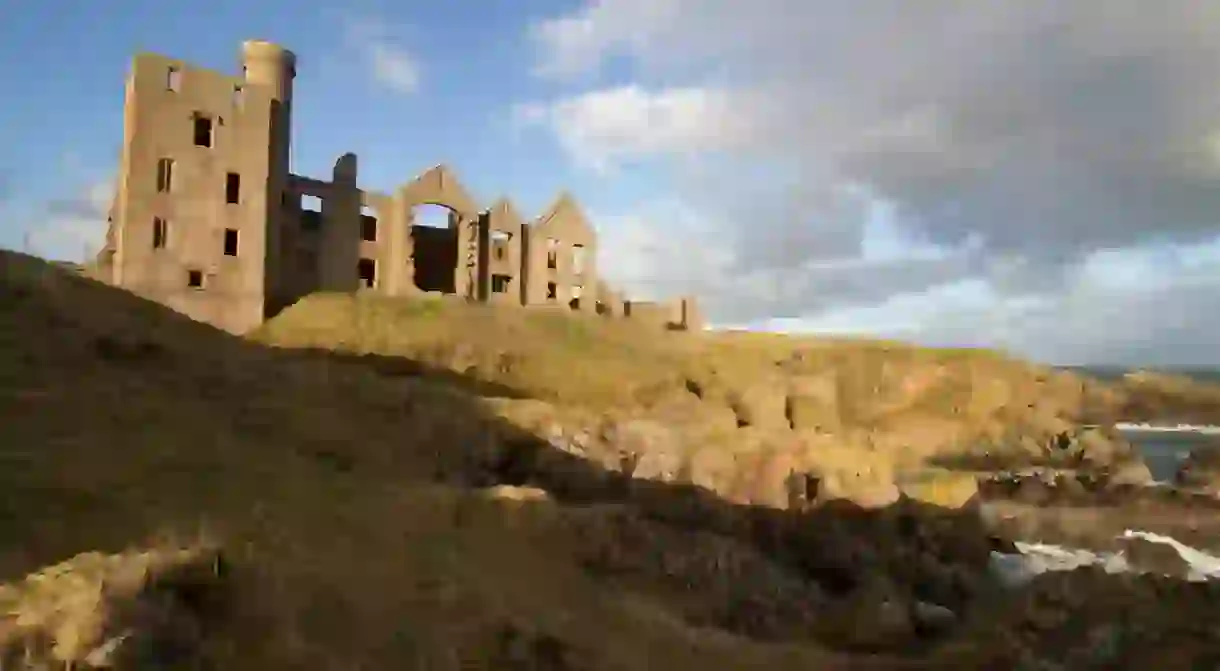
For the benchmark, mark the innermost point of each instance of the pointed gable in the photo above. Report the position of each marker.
(565, 219)
(440, 186)
(506, 214)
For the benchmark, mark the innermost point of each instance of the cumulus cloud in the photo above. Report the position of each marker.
(1015, 151)
(390, 64)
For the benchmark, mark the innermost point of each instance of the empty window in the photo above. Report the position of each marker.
(552, 291)
(160, 233)
(500, 283)
(203, 131)
(499, 244)
(194, 279)
(165, 175)
(173, 79)
(230, 242)
(311, 203)
(366, 269)
(576, 292)
(368, 228)
(232, 188)
(552, 253)
(578, 259)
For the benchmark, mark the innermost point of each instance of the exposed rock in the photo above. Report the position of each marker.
(813, 403)
(931, 619)
(510, 493)
(1201, 469)
(1158, 558)
(942, 488)
(762, 404)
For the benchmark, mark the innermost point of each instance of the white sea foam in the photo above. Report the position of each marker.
(1168, 428)
(1037, 558)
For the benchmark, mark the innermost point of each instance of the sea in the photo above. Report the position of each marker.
(1163, 449)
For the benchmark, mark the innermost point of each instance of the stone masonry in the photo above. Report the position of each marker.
(209, 220)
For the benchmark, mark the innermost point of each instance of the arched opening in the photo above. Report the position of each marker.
(434, 234)
(434, 216)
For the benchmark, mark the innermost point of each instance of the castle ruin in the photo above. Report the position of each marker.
(209, 220)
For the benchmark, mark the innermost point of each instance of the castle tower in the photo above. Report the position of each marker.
(199, 202)
(273, 68)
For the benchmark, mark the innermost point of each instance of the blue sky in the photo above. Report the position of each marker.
(405, 85)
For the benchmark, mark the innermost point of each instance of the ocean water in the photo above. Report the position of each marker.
(1163, 450)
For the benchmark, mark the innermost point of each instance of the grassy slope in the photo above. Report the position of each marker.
(123, 422)
(880, 392)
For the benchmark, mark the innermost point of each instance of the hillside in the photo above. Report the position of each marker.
(435, 485)
(832, 406)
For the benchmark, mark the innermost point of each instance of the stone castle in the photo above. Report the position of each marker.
(209, 220)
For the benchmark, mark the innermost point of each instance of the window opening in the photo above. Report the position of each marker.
(232, 188)
(203, 131)
(230, 246)
(160, 233)
(578, 259)
(367, 271)
(165, 175)
(368, 224)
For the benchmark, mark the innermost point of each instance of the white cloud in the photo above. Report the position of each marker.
(606, 127)
(1034, 173)
(72, 228)
(390, 64)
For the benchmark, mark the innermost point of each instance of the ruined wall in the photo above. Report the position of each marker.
(501, 277)
(208, 220)
(651, 314)
(192, 212)
(561, 258)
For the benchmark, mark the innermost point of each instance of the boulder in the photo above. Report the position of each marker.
(1201, 469)
(762, 404)
(813, 403)
(941, 488)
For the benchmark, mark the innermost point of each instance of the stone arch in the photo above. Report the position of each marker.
(443, 259)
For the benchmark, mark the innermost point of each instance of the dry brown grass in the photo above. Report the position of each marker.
(122, 422)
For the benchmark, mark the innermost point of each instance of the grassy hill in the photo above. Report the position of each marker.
(428, 484)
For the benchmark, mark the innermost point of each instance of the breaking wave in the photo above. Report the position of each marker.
(1033, 559)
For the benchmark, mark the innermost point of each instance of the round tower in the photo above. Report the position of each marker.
(273, 67)
(270, 65)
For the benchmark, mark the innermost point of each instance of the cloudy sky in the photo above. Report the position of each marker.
(1038, 175)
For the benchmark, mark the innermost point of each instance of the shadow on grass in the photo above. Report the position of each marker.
(403, 368)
